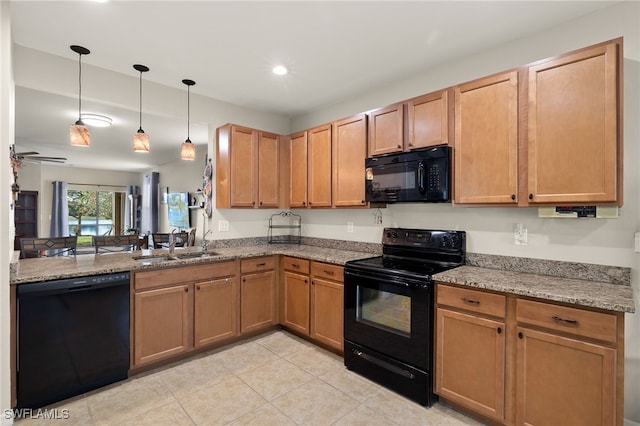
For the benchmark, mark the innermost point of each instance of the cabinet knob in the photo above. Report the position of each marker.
(186, 289)
(310, 203)
(260, 202)
(304, 203)
(305, 281)
(531, 196)
(197, 287)
(499, 330)
(362, 201)
(513, 196)
(410, 144)
(520, 335)
(253, 203)
(312, 282)
(399, 146)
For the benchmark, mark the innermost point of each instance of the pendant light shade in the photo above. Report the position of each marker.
(78, 132)
(188, 151)
(140, 138)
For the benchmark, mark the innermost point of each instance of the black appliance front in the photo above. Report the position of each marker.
(73, 336)
(388, 332)
(416, 176)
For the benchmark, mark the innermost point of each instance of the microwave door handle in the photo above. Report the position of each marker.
(421, 177)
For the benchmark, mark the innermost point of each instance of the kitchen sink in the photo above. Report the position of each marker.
(196, 254)
(166, 257)
(154, 259)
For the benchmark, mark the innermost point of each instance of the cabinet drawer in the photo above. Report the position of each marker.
(294, 264)
(472, 300)
(169, 276)
(596, 325)
(328, 271)
(257, 264)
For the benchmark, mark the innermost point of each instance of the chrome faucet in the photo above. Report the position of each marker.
(205, 245)
(172, 242)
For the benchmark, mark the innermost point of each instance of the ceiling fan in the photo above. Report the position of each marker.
(33, 157)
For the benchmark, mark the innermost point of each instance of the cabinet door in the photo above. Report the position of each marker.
(243, 154)
(349, 153)
(428, 120)
(215, 310)
(296, 302)
(298, 170)
(564, 381)
(470, 362)
(327, 312)
(386, 130)
(162, 320)
(268, 170)
(573, 127)
(319, 166)
(257, 301)
(486, 140)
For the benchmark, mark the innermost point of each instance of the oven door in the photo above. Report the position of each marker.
(391, 315)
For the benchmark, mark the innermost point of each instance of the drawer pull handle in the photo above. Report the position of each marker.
(261, 264)
(328, 272)
(565, 321)
(295, 265)
(470, 301)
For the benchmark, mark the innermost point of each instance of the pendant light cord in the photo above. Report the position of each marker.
(140, 100)
(188, 109)
(80, 87)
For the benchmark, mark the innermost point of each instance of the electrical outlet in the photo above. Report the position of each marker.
(349, 226)
(223, 226)
(636, 238)
(520, 234)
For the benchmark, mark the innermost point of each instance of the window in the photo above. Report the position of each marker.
(94, 212)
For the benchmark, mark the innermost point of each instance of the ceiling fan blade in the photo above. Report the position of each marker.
(22, 154)
(45, 158)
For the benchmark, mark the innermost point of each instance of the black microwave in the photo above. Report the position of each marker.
(414, 176)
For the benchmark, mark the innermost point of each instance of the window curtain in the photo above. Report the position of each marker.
(59, 211)
(132, 208)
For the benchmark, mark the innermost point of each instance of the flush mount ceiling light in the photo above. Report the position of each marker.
(78, 132)
(140, 138)
(96, 120)
(280, 70)
(188, 149)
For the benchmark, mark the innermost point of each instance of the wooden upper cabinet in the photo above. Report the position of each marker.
(386, 130)
(298, 170)
(268, 170)
(349, 153)
(486, 140)
(428, 120)
(319, 166)
(236, 166)
(574, 148)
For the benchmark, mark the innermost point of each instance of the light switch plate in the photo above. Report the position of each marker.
(349, 226)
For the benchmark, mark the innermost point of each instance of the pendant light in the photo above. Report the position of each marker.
(79, 133)
(140, 138)
(188, 149)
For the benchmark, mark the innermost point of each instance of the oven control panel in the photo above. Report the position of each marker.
(424, 238)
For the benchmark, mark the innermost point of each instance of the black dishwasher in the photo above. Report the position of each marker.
(73, 336)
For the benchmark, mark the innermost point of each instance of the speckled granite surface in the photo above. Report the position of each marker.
(595, 294)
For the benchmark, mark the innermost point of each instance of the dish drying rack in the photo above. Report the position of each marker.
(288, 222)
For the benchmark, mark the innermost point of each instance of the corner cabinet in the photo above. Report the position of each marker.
(574, 138)
(247, 168)
(486, 140)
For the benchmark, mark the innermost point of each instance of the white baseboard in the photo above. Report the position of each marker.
(628, 422)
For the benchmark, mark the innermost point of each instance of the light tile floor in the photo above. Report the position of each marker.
(274, 379)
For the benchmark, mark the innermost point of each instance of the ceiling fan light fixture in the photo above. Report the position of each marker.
(79, 133)
(95, 120)
(188, 151)
(140, 138)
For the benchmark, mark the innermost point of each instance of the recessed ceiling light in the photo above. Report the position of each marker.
(96, 120)
(280, 70)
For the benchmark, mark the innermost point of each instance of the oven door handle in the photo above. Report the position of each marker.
(398, 281)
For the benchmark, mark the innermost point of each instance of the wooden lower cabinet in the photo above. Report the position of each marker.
(177, 310)
(312, 300)
(216, 310)
(161, 323)
(257, 294)
(542, 363)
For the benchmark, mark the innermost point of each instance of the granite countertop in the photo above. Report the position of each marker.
(43, 269)
(595, 294)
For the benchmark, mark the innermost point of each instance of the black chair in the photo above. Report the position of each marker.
(161, 240)
(47, 247)
(116, 243)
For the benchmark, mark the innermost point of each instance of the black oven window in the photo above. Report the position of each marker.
(384, 310)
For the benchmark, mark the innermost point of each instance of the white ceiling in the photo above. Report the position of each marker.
(334, 50)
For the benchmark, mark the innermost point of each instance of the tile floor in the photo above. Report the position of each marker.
(274, 379)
